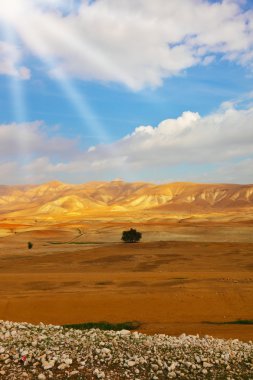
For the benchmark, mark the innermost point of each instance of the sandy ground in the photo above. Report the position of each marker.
(169, 286)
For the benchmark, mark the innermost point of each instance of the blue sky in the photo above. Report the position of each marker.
(138, 90)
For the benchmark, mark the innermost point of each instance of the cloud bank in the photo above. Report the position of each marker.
(30, 140)
(221, 141)
(136, 43)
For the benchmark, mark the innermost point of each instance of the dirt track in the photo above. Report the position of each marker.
(170, 287)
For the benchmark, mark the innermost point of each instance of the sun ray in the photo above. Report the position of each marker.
(35, 38)
(77, 98)
(16, 87)
(19, 109)
(80, 47)
(81, 105)
(83, 48)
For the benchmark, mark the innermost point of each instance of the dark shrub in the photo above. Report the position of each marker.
(131, 236)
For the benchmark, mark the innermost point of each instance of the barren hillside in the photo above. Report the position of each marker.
(176, 200)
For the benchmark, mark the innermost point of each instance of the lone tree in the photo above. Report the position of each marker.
(131, 236)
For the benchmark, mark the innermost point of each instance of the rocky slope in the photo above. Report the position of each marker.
(52, 352)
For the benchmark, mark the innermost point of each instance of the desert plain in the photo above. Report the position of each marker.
(191, 273)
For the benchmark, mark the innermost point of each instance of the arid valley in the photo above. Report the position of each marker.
(191, 273)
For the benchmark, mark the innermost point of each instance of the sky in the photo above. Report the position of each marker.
(158, 91)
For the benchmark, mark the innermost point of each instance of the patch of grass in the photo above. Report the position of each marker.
(85, 242)
(103, 325)
(74, 242)
(236, 322)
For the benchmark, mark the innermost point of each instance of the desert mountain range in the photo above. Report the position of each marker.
(56, 199)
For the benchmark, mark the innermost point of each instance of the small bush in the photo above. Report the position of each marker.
(29, 245)
(131, 236)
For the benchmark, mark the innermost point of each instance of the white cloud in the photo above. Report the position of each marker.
(221, 136)
(9, 173)
(10, 57)
(222, 140)
(240, 171)
(28, 140)
(135, 42)
(208, 59)
(24, 73)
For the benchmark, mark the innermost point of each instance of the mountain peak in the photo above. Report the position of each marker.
(117, 180)
(54, 183)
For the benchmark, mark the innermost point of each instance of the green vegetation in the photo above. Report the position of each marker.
(85, 242)
(236, 322)
(74, 242)
(131, 236)
(29, 245)
(103, 325)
